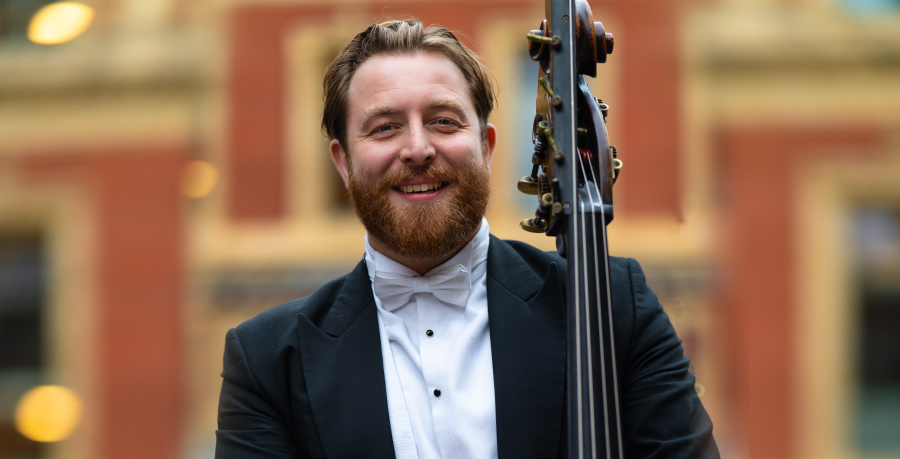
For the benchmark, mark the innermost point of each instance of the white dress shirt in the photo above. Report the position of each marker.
(428, 345)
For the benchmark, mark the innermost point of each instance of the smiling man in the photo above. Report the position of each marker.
(444, 342)
(414, 156)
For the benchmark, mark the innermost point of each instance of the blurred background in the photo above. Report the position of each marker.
(163, 178)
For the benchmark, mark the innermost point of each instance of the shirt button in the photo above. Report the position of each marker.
(429, 332)
(437, 392)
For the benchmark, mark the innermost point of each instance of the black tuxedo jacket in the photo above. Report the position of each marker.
(306, 379)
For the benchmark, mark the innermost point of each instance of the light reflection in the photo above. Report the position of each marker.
(59, 22)
(198, 179)
(48, 413)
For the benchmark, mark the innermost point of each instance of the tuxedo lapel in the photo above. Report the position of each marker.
(527, 320)
(344, 373)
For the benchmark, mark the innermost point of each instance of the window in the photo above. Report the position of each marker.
(21, 291)
(871, 7)
(15, 16)
(877, 254)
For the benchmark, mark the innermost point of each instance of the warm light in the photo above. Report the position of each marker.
(59, 22)
(48, 413)
(199, 179)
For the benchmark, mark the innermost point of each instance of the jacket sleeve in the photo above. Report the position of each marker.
(662, 415)
(249, 424)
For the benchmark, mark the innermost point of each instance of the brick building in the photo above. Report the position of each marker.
(761, 193)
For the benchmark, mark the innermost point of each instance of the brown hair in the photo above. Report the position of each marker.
(400, 37)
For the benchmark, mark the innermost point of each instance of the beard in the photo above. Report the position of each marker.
(430, 229)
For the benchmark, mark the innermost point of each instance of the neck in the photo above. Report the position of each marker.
(420, 265)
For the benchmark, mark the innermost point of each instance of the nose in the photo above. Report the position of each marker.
(418, 150)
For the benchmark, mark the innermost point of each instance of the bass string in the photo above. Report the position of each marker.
(593, 190)
(579, 393)
(570, 70)
(587, 311)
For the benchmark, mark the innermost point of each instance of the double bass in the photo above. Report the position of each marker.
(573, 171)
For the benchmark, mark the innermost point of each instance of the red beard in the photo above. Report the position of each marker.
(424, 230)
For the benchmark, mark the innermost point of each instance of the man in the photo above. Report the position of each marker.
(444, 341)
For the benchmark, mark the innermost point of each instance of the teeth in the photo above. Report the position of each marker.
(419, 188)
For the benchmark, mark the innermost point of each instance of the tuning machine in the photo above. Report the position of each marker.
(534, 225)
(616, 162)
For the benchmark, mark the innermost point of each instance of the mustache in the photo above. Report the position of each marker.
(436, 172)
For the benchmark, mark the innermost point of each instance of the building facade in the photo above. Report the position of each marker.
(761, 194)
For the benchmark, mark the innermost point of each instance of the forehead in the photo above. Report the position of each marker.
(406, 80)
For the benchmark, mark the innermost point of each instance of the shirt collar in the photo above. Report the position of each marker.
(472, 256)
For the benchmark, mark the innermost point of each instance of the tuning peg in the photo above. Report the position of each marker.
(529, 185)
(539, 44)
(534, 225)
(604, 108)
(538, 37)
(616, 162)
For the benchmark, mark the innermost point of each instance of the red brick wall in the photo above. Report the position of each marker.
(758, 175)
(648, 109)
(140, 261)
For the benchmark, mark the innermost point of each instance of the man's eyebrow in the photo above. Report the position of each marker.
(375, 112)
(448, 104)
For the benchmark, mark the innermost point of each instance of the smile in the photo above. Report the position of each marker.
(422, 188)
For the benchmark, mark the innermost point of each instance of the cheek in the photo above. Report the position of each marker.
(371, 161)
(459, 151)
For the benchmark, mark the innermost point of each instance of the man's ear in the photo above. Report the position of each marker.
(490, 141)
(340, 160)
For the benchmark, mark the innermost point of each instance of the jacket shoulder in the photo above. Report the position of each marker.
(538, 260)
(281, 320)
(533, 259)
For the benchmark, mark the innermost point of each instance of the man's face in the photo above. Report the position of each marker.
(416, 162)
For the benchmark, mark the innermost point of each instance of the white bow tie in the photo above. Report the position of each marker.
(450, 285)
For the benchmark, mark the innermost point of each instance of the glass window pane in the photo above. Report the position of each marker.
(877, 254)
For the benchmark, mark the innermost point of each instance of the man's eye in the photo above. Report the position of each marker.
(385, 128)
(445, 122)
